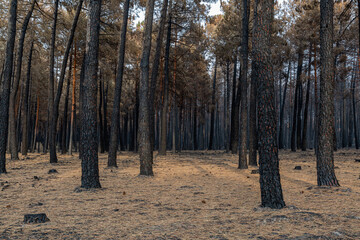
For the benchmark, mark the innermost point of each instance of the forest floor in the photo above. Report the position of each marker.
(193, 195)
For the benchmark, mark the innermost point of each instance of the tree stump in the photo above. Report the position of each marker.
(52, 171)
(36, 218)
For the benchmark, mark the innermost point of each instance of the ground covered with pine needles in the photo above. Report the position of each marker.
(194, 195)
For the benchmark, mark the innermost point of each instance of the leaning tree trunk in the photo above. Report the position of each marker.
(145, 150)
(325, 156)
(65, 116)
(55, 106)
(155, 70)
(20, 49)
(25, 106)
(5, 94)
(89, 138)
(115, 118)
(244, 87)
(163, 129)
(271, 191)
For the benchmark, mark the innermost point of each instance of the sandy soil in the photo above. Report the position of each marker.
(194, 195)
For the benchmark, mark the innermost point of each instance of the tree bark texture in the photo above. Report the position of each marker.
(325, 156)
(270, 185)
(89, 137)
(5, 94)
(145, 150)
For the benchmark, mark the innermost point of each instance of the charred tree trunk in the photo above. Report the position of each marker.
(5, 94)
(282, 111)
(163, 129)
(115, 117)
(145, 150)
(101, 124)
(12, 121)
(297, 104)
(325, 156)
(36, 124)
(234, 111)
(89, 138)
(244, 87)
(271, 191)
(55, 107)
(73, 104)
(25, 106)
(65, 116)
(357, 145)
(227, 108)
(213, 108)
(51, 83)
(253, 139)
(155, 70)
(304, 133)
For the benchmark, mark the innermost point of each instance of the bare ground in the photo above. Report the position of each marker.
(194, 195)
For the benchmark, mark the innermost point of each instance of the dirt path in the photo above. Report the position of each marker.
(194, 195)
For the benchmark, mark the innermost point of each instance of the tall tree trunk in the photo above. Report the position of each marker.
(65, 116)
(213, 108)
(304, 133)
(145, 150)
(55, 108)
(5, 94)
(253, 139)
(234, 111)
(244, 87)
(235, 129)
(195, 129)
(155, 69)
(73, 104)
(36, 124)
(270, 185)
(25, 106)
(12, 121)
(357, 145)
(163, 129)
(227, 109)
(105, 104)
(52, 82)
(101, 124)
(115, 118)
(174, 104)
(282, 111)
(297, 103)
(89, 138)
(325, 156)
(316, 120)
